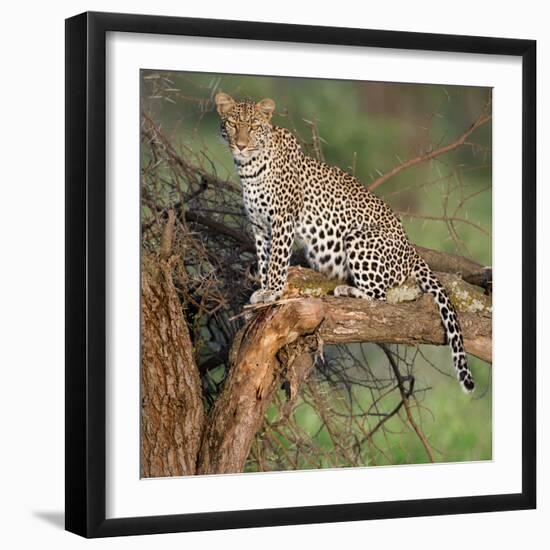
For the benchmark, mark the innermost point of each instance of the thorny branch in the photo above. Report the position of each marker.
(483, 119)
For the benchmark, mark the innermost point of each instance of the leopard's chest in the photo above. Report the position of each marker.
(258, 192)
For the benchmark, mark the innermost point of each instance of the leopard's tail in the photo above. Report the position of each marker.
(429, 283)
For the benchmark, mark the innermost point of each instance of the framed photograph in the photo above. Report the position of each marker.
(294, 255)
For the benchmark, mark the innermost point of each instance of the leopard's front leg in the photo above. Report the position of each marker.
(280, 249)
(262, 242)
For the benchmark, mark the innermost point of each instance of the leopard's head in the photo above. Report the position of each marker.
(245, 125)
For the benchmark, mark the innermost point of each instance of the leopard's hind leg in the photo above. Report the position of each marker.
(366, 264)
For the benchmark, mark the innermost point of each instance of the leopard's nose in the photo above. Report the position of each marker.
(241, 146)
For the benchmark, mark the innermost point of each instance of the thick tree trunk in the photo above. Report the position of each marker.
(172, 413)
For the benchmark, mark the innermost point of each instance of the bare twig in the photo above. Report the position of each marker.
(405, 400)
(483, 119)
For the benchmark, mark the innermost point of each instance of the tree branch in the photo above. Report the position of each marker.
(483, 119)
(405, 400)
(253, 379)
(406, 317)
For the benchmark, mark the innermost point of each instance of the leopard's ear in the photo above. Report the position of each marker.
(266, 107)
(224, 103)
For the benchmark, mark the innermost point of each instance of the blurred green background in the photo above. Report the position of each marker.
(367, 128)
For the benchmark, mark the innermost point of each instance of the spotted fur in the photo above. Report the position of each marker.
(348, 232)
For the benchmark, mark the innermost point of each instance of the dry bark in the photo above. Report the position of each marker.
(409, 323)
(172, 413)
(253, 379)
(469, 271)
(407, 317)
(449, 263)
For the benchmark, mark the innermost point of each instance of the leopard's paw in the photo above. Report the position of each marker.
(351, 292)
(264, 296)
(342, 290)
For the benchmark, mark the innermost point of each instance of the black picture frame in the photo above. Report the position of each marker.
(86, 274)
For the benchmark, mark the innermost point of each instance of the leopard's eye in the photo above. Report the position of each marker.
(230, 123)
(255, 126)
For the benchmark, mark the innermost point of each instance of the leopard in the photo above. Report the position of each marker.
(347, 232)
